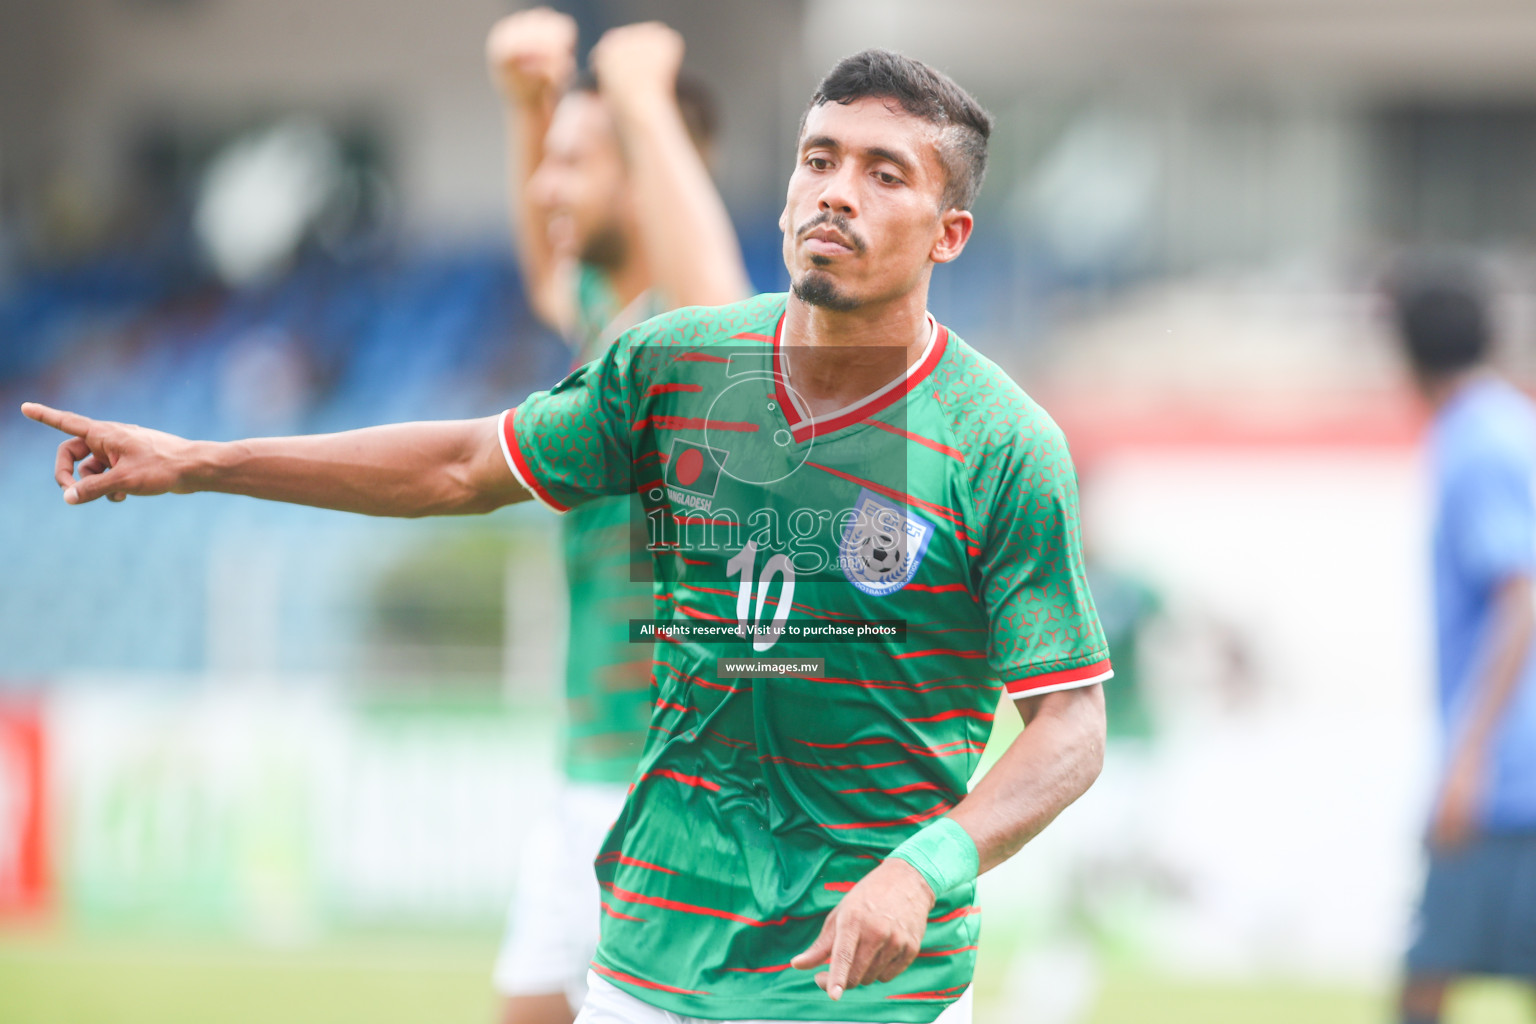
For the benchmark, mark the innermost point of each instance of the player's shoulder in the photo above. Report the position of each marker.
(1492, 424)
(990, 413)
(753, 319)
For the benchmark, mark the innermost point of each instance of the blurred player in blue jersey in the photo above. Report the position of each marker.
(615, 221)
(1478, 911)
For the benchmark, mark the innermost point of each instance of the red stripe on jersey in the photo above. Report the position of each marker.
(523, 469)
(691, 561)
(811, 610)
(759, 970)
(625, 917)
(944, 716)
(752, 336)
(668, 705)
(1098, 670)
(941, 993)
(707, 590)
(729, 741)
(687, 780)
(839, 886)
(932, 588)
(938, 650)
(709, 684)
(692, 613)
(910, 819)
(648, 455)
(913, 788)
(955, 915)
(947, 513)
(692, 908)
(667, 389)
(936, 446)
(686, 678)
(693, 423)
(781, 759)
(961, 746)
(622, 858)
(951, 952)
(658, 986)
(927, 686)
(701, 357)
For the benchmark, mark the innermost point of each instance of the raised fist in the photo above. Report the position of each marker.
(635, 61)
(532, 55)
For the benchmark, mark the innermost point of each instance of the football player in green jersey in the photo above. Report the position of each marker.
(803, 846)
(615, 220)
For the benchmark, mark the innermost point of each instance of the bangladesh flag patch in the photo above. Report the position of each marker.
(694, 470)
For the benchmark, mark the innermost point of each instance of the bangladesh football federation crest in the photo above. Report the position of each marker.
(882, 545)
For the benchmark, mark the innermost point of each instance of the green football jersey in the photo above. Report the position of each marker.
(944, 503)
(607, 679)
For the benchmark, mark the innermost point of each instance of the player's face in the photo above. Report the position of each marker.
(863, 221)
(581, 184)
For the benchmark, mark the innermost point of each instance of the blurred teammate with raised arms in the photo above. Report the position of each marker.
(615, 220)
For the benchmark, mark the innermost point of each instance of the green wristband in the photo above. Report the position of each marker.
(943, 853)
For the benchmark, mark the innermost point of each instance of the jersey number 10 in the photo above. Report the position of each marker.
(749, 618)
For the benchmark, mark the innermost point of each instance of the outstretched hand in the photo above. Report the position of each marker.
(112, 459)
(874, 933)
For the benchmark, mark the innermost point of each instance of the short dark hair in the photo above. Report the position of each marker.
(695, 101)
(924, 93)
(1441, 315)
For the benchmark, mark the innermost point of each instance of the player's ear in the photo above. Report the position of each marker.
(954, 231)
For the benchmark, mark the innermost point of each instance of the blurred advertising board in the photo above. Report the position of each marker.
(278, 812)
(24, 868)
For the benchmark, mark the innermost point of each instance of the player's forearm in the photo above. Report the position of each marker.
(690, 245)
(406, 469)
(526, 125)
(1509, 647)
(1051, 764)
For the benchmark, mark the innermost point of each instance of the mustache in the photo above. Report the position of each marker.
(837, 221)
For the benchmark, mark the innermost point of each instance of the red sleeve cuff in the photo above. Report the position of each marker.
(1062, 679)
(519, 465)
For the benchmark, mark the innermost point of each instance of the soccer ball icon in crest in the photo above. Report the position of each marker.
(882, 545)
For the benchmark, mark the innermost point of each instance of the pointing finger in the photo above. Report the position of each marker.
(69, 422)
(840, 964)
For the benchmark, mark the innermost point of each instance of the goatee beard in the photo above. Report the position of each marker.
(817, 289)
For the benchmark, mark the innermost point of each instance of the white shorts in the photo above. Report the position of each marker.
(553, 920)
(608, 1004)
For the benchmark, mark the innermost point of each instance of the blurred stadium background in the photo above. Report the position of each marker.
(268, 763)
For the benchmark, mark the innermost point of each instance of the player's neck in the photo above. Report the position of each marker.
(630, 279)
(1439, 391)
(837, 358)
